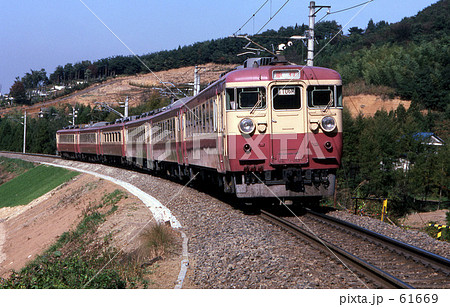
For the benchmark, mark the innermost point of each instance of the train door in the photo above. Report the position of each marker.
(288, 122)
(178, 136)
(220, 132)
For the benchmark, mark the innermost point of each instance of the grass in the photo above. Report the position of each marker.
(156, 241)
(15, 166)
(81, 259)
(32, 184)
(78, 259)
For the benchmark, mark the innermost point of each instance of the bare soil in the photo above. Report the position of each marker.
(26, 231)
(420, 220)
(368, 105)
(136, 87)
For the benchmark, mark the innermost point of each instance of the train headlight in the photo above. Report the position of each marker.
(246, 126)
(328, 124)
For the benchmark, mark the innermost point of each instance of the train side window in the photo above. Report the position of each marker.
(208, 116)
(197, 120)
(215, 115)
(251, 97)
(172, 128)
(231, 99)
(204, 118)
(286, 98)
(320, 96)
(188, 123)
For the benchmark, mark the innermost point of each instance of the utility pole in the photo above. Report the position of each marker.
(311, 37)
(123, 104)
(24, 130)
(74, 115)
(24, 124)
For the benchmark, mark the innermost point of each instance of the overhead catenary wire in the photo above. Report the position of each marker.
(253, 16)
(343, 10)
(134, 54)
(271, 17)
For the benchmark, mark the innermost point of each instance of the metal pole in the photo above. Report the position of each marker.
(126, 108)
(24, 131)
(312, 17)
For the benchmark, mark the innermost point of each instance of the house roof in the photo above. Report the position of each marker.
(428, 138)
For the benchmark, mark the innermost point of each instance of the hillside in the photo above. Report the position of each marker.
(137, 87)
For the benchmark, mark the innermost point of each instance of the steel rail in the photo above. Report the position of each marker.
(425, 257)
(379, 276)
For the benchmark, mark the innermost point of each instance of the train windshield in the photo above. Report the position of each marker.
(286, 98)
(324, 96)
(246, 98)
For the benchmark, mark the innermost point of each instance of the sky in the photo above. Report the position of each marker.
(47, 33)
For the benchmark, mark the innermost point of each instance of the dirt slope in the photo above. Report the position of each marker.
(137, 87)
(368, 105)
(26, 231)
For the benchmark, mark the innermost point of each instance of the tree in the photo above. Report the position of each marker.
(19, 93)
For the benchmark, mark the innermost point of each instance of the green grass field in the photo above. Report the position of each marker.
(32, 184)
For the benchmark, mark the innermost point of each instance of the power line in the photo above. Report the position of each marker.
(343, 10)
(134, 54)
(253, 16)
(342, 29)
(349, 8)
(270, 19)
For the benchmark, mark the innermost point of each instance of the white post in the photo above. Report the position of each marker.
(126, 108)
(312, 15)
(24, 130)
(196, 80)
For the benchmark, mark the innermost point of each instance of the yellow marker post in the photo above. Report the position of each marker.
(439, 227)
(384, 209)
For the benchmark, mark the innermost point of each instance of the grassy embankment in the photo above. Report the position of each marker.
(81, 258)
(33, 182)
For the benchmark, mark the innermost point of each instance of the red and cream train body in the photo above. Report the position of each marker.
(270, 130)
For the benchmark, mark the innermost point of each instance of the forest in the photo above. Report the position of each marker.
(408, 59)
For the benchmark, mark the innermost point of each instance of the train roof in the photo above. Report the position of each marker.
(282, 73)
(254, 69)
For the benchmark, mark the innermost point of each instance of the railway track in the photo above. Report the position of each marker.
(31, 154)
(388, 262)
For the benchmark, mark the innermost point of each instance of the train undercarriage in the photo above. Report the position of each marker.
(282, 183)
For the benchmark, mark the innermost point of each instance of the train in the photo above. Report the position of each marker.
(266, 129)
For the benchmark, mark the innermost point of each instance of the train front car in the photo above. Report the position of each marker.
(284, 130)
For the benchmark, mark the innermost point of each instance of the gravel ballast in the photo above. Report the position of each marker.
(230, 249)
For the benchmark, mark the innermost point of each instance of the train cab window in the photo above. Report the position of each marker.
(286, 97)
(339, 96)
(251, 97)
(320, 96)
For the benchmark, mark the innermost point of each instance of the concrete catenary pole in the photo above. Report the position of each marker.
(312, 15)
(126, 108)
(196, 80)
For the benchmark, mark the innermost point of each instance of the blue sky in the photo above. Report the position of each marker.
(44, 34)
